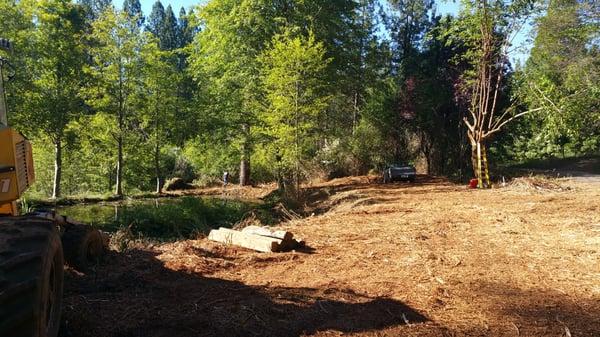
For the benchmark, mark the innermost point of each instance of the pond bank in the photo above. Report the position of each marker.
(167, 218)
(249, 193)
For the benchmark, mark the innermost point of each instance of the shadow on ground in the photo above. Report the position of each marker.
(536, 312)
(587, 166)
(133, 294)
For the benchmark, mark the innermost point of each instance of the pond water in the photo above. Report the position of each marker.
(163, 217)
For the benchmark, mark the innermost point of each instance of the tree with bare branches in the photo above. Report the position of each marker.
(498, 23)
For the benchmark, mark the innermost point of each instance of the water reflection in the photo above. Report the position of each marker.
(163, 217)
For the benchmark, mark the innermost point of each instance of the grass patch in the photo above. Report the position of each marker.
(163, 219)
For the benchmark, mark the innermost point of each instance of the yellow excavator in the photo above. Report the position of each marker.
(34, 246)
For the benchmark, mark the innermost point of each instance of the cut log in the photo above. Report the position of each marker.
(246, 240)
(263, 231)
(292, 244)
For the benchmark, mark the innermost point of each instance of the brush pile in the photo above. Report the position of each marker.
(257, 238)
(537, 183)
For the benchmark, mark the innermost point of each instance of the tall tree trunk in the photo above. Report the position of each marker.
(157, 151)
(244, 170)
(157, 168)
(119, 175)
(121, 121)
(56, 192)
(297, 136)
(474, 160)
(480, 164)
(479, 175)
(245, 160)
(110, 179)
(486, 168)
(355, 113)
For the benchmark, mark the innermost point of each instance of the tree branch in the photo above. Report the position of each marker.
(499, 127)
(546, 97)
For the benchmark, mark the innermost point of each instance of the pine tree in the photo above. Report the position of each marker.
(334, 24)
(163, 25)
(168, 36)
(408, 21)
(94, 8)
(185, 86)
(134, 9)
(185, 33)
(156, 19)
(363, 45)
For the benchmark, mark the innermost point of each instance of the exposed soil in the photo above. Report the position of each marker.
(231, 191)
(583, 169)
(427, 259)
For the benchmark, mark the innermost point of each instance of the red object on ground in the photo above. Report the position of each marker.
(473, 183)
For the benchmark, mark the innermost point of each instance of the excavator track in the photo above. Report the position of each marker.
(31, 277)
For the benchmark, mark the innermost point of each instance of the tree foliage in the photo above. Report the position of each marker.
(119, 101)
(293, 77)
(562, 77)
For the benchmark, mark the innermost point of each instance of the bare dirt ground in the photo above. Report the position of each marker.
(429, 259)
(231, 191)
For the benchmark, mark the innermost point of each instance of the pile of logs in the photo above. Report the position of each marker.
(257, 238)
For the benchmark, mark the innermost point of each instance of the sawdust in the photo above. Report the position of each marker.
(429, 259)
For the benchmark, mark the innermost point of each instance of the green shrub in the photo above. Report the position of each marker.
(184, 217)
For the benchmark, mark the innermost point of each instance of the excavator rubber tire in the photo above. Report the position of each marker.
(31, 277)
(84, 247)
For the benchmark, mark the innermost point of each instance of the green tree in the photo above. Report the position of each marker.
(185, 31)
(224, 61)
(156, 19)
(169, 34)
(562, 77)
(408, 21)
(159, 95)
(164, 26)
(134, 9)
(16, 25)
(489, 29)
(116, 70)
(94, 8)
(55, 64)
(185, 110)
(369, 68)
(293, 77)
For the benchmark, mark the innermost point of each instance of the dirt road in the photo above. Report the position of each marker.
(430, 259)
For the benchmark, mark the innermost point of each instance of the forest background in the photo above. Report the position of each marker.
(117, 101)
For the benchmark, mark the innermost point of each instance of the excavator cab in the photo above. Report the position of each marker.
(33, 247)
(16, 169)
(16, 159)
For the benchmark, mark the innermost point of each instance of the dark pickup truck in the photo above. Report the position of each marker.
(399, 172)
